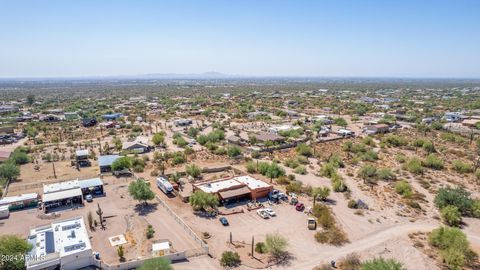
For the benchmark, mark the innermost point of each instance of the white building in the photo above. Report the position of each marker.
(61, 245)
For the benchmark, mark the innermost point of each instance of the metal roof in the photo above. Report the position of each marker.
(107, 160)
(60, 195)
(90, 182)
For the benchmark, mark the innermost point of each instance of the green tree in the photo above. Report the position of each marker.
(9, 171)
(274, 171)
(19, 156)
(276, 244)
(320, 193)
(382, 264)
(158, 263)
(141, 191)
(200, 200)
(122, 163)
(14, 247)
(117, 143)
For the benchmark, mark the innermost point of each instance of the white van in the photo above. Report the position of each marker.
(164, 185)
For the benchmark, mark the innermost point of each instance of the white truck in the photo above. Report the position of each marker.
(164, 185)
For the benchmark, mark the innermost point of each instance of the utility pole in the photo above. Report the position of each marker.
(54, 173)
(253, 250)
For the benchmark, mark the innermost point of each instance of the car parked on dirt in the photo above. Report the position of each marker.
(270, 212)
(224, 221)
(300, 206)
(311, 224)
(263, 214)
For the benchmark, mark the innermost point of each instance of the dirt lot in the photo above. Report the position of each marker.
(123, 216)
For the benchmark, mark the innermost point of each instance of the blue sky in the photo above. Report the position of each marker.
(365, 38)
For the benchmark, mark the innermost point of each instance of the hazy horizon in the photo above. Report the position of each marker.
(298, 39)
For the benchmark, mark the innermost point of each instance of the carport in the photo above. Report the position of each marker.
(68, 197)
(233, 194)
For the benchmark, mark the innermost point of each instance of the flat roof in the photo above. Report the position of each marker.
(18, 198)
(251, 182)
(160, 246)
(238, 181)
(60, 195)
(214, 187)
(63, 237)
(50, 188)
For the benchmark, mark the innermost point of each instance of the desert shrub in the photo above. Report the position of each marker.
(20, 156)
(260, 248)
(401, 158)
(328, 170)
(368, 173)
(304, 150)
(433, 162)
(395, 140)
(294, 186)
(193, 170)
(220, 151)
(403, 188)
(300, 170)
(429, 147)
(291, 163)
(230, 259)
(462, 167)
(368, 141)
(323, 215)
(448, 136)
(234, 151)
(350, 262)
(150, 232)
(338, 185)
(302, 160)
(333, 236)
(413, 165)
(451, 216)
(369, 155)
(178, 158)
(283, 180)
(458, 197)
(385, 174)
(336, 161)
(382, 264)
(251, 167)
(276, 244)
(352, 204)
(453, 246)
(419, 142)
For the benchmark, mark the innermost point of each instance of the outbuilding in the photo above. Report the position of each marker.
(105, 162)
